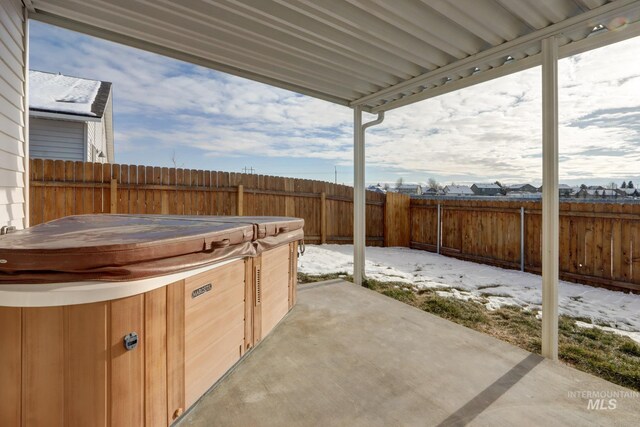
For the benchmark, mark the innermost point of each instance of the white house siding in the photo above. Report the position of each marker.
(107, 125)
(56, 139)
(12, 113)
(96, 137)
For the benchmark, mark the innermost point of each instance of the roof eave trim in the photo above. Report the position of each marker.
(50, 114)
(601, 40)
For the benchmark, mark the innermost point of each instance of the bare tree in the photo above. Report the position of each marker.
(174, 160)
(433, 184)
(612, 185)
(399, 183)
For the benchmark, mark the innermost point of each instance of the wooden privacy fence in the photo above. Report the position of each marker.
(61, 188)
(599, 242)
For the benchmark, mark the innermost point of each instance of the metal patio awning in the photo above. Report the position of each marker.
(377, 54)
(374, 55)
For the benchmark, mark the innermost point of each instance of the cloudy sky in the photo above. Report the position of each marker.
(169, 112)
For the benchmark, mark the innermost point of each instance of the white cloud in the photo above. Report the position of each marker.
(487, 132)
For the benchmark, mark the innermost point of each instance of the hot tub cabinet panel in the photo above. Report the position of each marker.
(275, 271)
(68, 365)
(214, 326)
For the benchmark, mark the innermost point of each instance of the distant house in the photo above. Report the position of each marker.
(601, 193)
(70, 118)
(564, 190)
(522, 188)
(377, 188)
(485, 189)
(411, 189)
(524, 195)
(458, 190)
(432, 192)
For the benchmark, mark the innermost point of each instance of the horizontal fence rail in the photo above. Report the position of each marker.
(61, 188)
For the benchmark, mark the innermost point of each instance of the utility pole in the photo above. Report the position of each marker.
(335, 172)
(248, 170)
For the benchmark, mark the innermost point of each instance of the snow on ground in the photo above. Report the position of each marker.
(493, 286)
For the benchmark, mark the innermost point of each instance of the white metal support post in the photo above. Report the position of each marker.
(358, 198)
(521, 238)
(439, 230)
(359, 192)
(550, 199)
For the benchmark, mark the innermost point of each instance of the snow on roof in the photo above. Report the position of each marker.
(62, 94)
(458, 189)
(605, 192)
(486, 185)
(564, 187)
(517, 185)
(524, 195)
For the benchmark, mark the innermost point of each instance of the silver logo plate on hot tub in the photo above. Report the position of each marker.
(201, 290)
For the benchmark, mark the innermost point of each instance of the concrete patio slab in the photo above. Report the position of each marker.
(348, 356)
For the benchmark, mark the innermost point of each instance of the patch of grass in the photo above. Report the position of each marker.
(602, 353)
(470, 314)
(312, 278)
(630, 348)
(492, 294)
(404, 295)
(605, 354)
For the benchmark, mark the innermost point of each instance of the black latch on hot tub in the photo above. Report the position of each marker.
(130, 341)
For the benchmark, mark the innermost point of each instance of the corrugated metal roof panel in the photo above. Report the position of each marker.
(374, 53)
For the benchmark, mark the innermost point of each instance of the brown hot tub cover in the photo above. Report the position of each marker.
(128, 247)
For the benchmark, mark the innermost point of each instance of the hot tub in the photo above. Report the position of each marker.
(127, 320)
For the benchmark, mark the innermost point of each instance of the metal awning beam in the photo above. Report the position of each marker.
(601, 40)
(116, 37)
(531, 42)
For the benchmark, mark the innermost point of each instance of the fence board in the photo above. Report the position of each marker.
(397, 230)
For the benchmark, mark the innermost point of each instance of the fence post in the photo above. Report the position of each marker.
(323, 218)
(240, 199)
(521, 238)
(289, 203)
(439, 232)
(114, 196)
